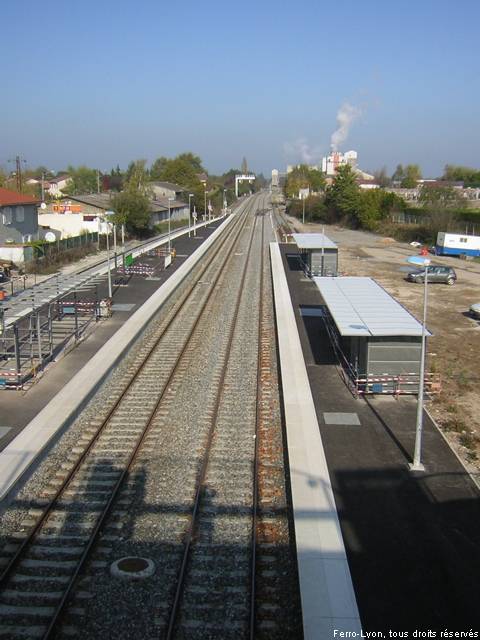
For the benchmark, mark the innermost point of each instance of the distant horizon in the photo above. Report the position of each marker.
(266, 173)
(276, 84)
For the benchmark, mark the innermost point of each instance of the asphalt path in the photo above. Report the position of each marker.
(412, 540)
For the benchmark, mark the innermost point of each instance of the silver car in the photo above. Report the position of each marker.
(435, 273)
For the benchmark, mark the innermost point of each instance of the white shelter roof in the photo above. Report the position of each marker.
(361, 307)
(313, 241)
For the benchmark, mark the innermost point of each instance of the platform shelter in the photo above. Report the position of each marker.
(318, 253)
(377, 340)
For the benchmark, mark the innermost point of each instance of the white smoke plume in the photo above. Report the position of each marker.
(300, 150)
(346, 115)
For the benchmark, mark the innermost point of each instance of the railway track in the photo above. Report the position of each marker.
(169, 475)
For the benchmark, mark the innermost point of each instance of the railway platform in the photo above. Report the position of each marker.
(411, 540)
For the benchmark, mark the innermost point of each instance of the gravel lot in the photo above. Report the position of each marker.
(454, 348)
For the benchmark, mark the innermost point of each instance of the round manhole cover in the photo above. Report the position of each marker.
(132, 567)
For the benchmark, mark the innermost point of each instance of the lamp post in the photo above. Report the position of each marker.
(108, 263)
(224, 202)
(190, 196)
(303, 213)
(417, 455)
(205, 209)
(44, 173)
(115, 244)
(169, 224)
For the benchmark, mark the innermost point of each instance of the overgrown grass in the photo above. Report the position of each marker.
(52, 263)
(463, 381)
(455, 424)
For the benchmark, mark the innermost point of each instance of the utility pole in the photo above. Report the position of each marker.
(98, 180)
(18, 172)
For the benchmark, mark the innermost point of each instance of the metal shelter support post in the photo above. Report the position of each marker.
(75, 309)
(323, 252)
(169, 227)
(16, 346)
(39, 338)
(50, 330)
(108, 264)
(115, 244)
(190, 196)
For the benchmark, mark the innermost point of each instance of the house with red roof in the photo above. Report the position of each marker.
(18, 217)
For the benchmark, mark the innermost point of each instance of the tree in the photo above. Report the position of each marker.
(470, 177)
(440, 203)
(315, 209)
(433, 198)
(116, 173)
(303, 177)
(179, 172)
(132, 205)
(132, 208)
(342, 197)
(381, 177)
(82, 180)
(375, 205)
(183, 170)
(157, 168)
(399, 174)
(244, 166)
(194, 161)
(138, 172)
(260, 182)
(411, 176)
(139, 177)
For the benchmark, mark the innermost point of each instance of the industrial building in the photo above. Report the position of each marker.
(335, 159)
(376, 339)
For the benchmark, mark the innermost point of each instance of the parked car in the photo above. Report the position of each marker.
(3, 277)
(436, 273)
(475, 311)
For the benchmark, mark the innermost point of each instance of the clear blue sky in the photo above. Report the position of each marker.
(102, 82)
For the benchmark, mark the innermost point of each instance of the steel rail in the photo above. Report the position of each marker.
(204, 464)
(143, 435)
(15, 560)
(133, 455)
(256, 452)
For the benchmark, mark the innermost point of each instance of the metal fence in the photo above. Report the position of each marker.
(47, 250)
